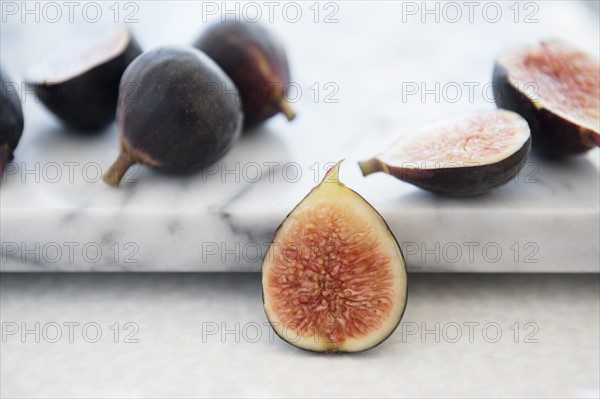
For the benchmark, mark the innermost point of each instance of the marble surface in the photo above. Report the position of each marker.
(184, 350)
(55, 214)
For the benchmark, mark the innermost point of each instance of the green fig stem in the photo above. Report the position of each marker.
(286, 108)
(115, 173)
(5, 156)
(370, 166)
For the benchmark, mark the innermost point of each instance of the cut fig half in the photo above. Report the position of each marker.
(463, 156)
(334, 277)
(79, 83)
(556, 88)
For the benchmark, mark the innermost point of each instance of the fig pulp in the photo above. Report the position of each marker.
(256, 62)
(468, 155)
(557, 90)
(80, 83)
(11, 120)
(334, 277)
(177, 112)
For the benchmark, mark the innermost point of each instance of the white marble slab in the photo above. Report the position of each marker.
(205, 335)
(545, 221)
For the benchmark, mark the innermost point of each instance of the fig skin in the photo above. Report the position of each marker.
(256, 62)
(11, 122)
(87, 102)
(553, 135)
(460, 180)
(178, 112)
(332, 178)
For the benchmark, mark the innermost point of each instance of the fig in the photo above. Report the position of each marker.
(467, 155)
(178, 112)
(556, 88)
(80, 83)
(334, 278)
(256, 62)
(11, 121)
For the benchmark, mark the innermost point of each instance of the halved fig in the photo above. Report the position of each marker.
(334, 277)
(80, 83)
(556, 88)
(464, 156)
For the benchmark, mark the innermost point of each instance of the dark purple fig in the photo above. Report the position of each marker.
(556, 88)
(177, 112)
(464, 156)
(80, 83)
(256, 62)
(11, 120)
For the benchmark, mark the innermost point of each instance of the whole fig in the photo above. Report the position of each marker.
(256, 62)
(11, 121)
(177, 112)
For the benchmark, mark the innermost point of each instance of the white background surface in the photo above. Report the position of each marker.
(174, 359)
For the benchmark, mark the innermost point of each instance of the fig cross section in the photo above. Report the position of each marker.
(334, 278)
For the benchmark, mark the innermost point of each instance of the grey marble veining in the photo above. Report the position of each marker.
(547, 220)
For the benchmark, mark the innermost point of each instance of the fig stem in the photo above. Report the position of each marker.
(5, 156)
(333, 174)
(369, 166)
(287, 110)
(115, 173)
